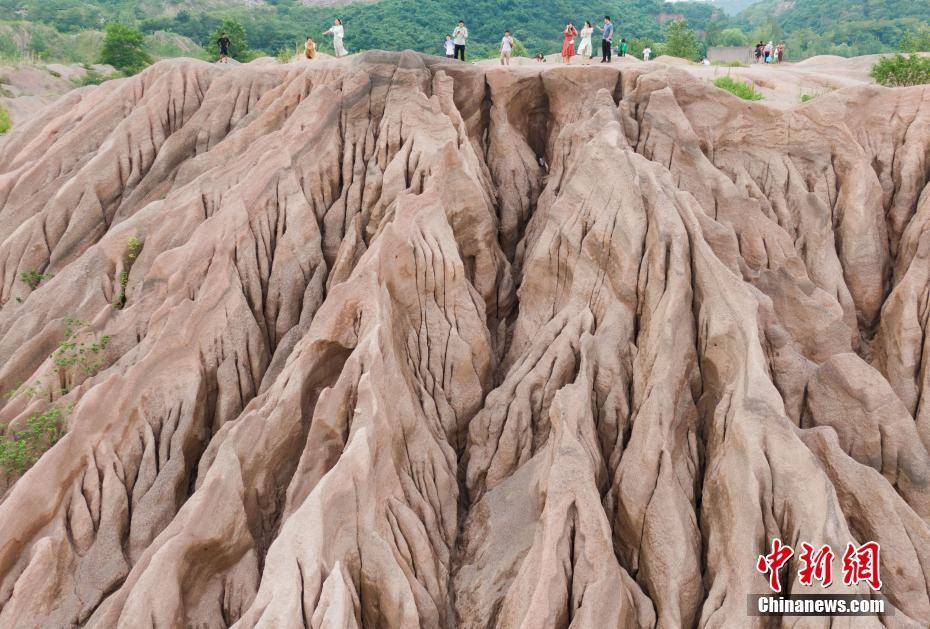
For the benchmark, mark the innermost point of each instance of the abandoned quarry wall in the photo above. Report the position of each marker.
(399, 342)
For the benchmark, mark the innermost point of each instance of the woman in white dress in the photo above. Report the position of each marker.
(584, 48)
(338, 32)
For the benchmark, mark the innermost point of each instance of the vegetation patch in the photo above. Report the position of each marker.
(746, 91)
(20, 449)
(902, 71)
(5, 123)
(75, 353)
(133, 248)
(32, 279)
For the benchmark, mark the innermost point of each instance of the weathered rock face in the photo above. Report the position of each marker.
(377, 366)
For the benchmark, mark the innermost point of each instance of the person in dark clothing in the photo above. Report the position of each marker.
(607, 38)
(223, 43)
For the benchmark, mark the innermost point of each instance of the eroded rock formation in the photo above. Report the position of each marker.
(415, 344)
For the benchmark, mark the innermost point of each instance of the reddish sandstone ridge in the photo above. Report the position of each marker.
(379, 367)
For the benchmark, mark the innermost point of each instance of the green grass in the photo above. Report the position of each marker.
(728, 64)
(5, 123)
(746, 91)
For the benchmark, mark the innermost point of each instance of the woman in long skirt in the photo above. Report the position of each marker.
(584, 48)
(568, 47)
(338, 32)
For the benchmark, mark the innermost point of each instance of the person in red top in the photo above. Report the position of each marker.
(568, 47)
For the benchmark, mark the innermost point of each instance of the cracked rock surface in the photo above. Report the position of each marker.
(410, 343)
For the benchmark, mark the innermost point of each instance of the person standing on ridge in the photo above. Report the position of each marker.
(449, 47)
(506, 48)
(459, 37)
(584, 48)
(647, 52)
(607, 34)
(223, 43)
(568, 46)
(623, 47)
(310, 48)
(338, 32)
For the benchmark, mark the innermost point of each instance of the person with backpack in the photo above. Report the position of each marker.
(623, 47)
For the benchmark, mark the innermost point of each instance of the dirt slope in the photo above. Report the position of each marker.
(416, 344)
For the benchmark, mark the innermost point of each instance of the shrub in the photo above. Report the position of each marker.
(20, 449)
(901, 71)
(5, 123)
(746, 91)
(71, 352)
(33, 278)
(92, 77)
(133, 248)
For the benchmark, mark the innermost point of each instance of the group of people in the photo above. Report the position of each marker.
(338, 32)
(584, 48)
(454, 45)
(770, 52)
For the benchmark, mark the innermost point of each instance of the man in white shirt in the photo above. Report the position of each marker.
(647, 51)
(506, 48)
(459, 37)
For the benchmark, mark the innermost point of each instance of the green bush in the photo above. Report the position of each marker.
(5, 123)
(133, 248)
(72, 352)
(124, 49)
(746, 91)
(20, 449)
(92, 77)
(901, 71)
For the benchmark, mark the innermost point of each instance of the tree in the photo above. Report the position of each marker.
(681, 41)
(124, 49)
(916, 41)
(732, 37)
(238, 46)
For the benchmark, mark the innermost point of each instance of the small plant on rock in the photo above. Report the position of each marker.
(72, 352)
(32, 279)
(133, 248)
(20, 449)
